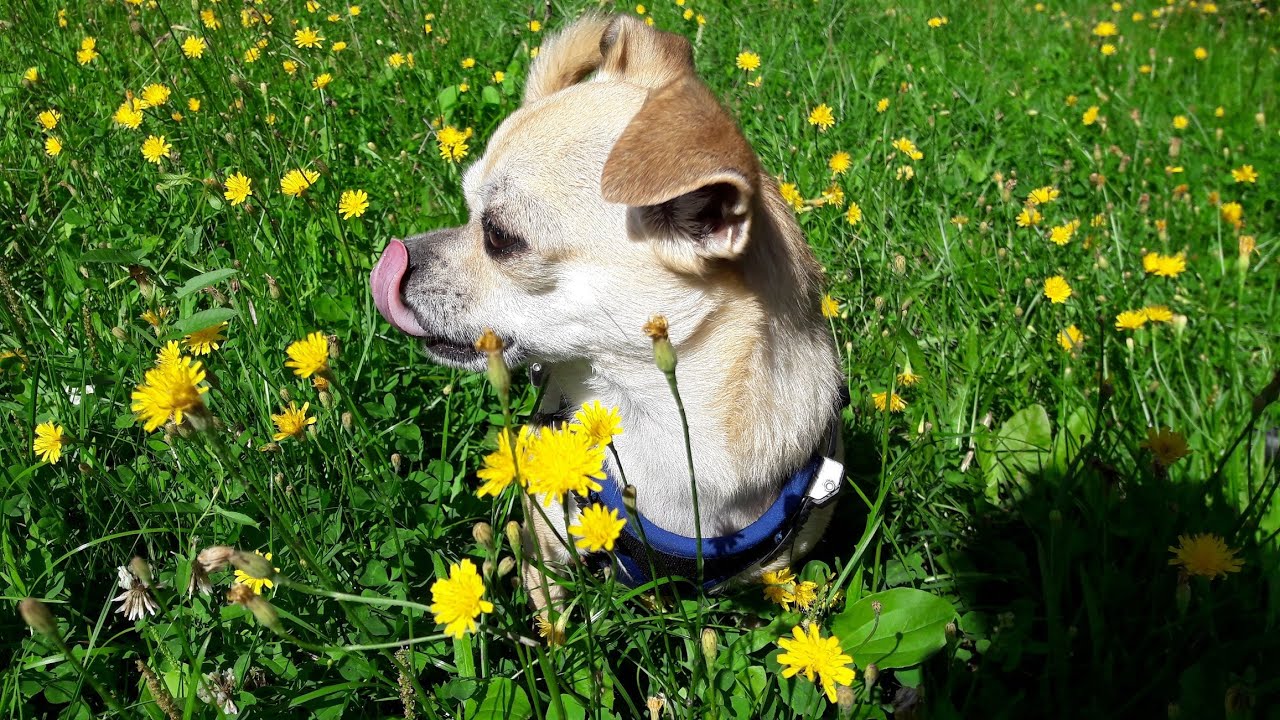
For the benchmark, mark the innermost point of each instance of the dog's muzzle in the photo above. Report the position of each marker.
(385, 281)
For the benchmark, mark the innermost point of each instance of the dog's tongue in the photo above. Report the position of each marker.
(385, 283)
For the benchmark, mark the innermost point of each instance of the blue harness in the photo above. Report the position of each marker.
(725, 557)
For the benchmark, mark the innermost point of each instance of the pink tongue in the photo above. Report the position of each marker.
(385, 283)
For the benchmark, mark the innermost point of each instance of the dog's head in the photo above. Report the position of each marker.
(595, 205)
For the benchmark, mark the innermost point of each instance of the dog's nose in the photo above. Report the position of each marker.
(385, 281)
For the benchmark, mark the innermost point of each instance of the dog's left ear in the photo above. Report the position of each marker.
(686, 168)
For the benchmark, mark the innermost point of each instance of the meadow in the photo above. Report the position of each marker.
(1050, 237)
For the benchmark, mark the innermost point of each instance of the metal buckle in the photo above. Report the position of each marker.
(826, 482)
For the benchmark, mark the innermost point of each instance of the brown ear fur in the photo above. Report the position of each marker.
(620, 46)
(681, 140)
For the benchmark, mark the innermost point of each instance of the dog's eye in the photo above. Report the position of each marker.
(498, 241)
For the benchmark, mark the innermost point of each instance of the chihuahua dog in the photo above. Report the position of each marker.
(621, 189)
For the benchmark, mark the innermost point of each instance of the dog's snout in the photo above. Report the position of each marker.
(424, 247)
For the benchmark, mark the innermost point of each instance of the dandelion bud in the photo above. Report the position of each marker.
(871, 674)
(486, 568)
(273, 288)
(506, 565)
(950, 629)
(119, 333)
(900, 264)
(876, 607)
(396, 461)
(1179, 324)
(844, 700)
(271, 447)
(264, 612)
(483, 534)
(348, 421)
(655, 705)
(284, 394)
(513, 533)
(37, 616)
(326, 399)
(85, 469)
(664, 355)
(253, 565)
(141, 569)
(499, 375)
(710, 646)
(629, 500)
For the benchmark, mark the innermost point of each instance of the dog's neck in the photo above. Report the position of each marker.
(759, 380)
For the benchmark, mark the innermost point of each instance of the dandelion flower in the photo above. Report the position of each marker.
(459, 600)
(1043, 195)
(353, 203)
(792, 195)
(805, 593)
(937, 22)
(1232, 213)
(206, 340)
(1107, 49)
(322, 81)
(779, 586)
(295, 182)
(839, 163)
(1062, 234)
(210, 20)
(1201, 54)
(597, 528)
(155, 95)
(908, 148)
(252, 54)
(500, 469)
(129, 114)
(1244, 174)
(534, 26)
(468, 63)
(256, 584)
(883, 401)
(307, 38)
(1158, 313)
(1205, 555)
(1106, 28)
(338, 46)
(1164, 265)
(452, 142)
(499, 77)
(822, 117)
(239, 188)
(169, 391)
(1131, 320)
(193, 104)
(88, 51)
(1071, 339)
(562, 461)
(882, 105)
(354, 11)
(819, 659)
(1090, 115)
(52, 146)
(49, 120)
(597, 422)
(1029, 217)
(907, 378)
(169, 354)
(154, 148)
(48, 442)
(194, 46)
(854, 214)
(830, 308)
(1057, 289)
(309, 356)
(1180, 122)
(292, 422)
(32, 74)
(747, 60)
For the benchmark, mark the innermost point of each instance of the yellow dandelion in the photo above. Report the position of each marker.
(830, 308)
(52, 146)
(453, 143)
(822, 117)
(1180, 122)
(1232, 213)
(1106, 28)
(1062, 234)
(292, 421)
(1158, 313)
(854, 214)
(239, 188)
(168, 392)
(597, 528)
(1090, 115)
(599, 423)
(459, 600)
(206, 340)
(1070, 338)
(88, 51)
(1043, 195)
(468, 63)
(194, 46)
(353, 203)
(307, 38)
(500, 467)
(882, 105)
(747, 60)
(48, 442)
(1057, 289)
(561, 462)
(256, 584)
(48, 119)
(295, 182)
(1205, 555)
(908, 148)
(1244, 174)
(937, 21)
(819, 659)
(1201, 54)
(31, 74)
(885, 402)
(792, 195)
(154, 148)
(1131, 320)
(1029, 217)
(1107, 49)
(322, 81)
(309, 356)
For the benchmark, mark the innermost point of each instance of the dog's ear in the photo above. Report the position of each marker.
(685, 166)
(619, 46)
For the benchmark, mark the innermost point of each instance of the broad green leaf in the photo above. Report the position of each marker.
(202, 320)
(911, 627)
(204, 280)
(504, 700)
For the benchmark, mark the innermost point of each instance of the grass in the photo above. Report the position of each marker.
(1013, 489)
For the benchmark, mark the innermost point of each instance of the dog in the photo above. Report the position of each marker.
(619, 190)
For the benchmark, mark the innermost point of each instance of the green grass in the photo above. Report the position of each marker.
(1050, 540)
